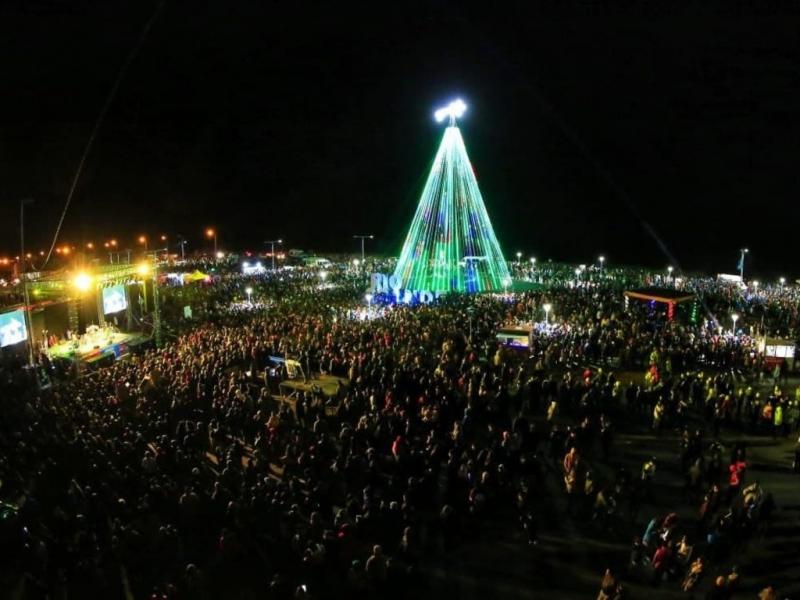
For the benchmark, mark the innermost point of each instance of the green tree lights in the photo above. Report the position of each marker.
(451, 245)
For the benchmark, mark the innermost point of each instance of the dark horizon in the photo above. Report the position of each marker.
(587, 129)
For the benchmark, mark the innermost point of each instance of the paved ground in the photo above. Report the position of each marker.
(572, 556)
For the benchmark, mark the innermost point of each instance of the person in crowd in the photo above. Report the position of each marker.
(190, 469)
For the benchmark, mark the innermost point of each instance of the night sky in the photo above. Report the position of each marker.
(590, 130)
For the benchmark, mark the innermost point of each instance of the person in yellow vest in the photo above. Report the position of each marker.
(777, 420)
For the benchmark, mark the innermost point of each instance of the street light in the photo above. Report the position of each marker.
(143, 241)
(369, 302)
(547, 307)
(533, 262)
(602, 259)
(742, 252)
(249, 292)
(734, 318)
(755, 285)
(519, 258)
(272, 245)
(182, 244)
(363, 237)
(212, 233)
(669, 271)
(23, 276)
(782, 281)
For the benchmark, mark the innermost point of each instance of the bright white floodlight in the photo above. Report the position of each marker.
(454, 110)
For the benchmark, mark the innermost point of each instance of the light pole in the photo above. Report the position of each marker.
(519, 259)
(363, 237)
(547, 307)
(369, 303)
(212, 233)
(23, 276)
(182, 244)
(156, 306)
(143, 241)
(742, 252)
(734, 318)
(602, 259)
(577, 274)
(669, 271)
(782, 281)
(249, 292)
(153, 268)
(272, 246)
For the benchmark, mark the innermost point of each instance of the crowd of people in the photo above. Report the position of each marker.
(189, 471)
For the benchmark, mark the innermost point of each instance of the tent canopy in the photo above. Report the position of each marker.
(195, 276)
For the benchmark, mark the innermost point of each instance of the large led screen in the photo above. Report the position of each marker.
(12, 328)
(114, 299)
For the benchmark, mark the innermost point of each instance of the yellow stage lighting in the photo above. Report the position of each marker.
(82, 281)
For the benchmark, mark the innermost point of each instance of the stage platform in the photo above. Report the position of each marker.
(94, 348)
(328, 384)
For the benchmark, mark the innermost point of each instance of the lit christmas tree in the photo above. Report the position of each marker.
(451, 245)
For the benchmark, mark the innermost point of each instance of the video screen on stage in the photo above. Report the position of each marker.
(12, 328)
(114, 299)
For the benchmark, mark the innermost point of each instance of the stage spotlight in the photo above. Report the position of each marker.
(82, 281)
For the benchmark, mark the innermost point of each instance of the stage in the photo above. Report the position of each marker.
(328, 385)
(92, 347)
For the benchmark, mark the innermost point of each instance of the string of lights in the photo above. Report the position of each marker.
(451, 245)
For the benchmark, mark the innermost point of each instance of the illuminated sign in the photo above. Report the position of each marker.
(391, 284)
